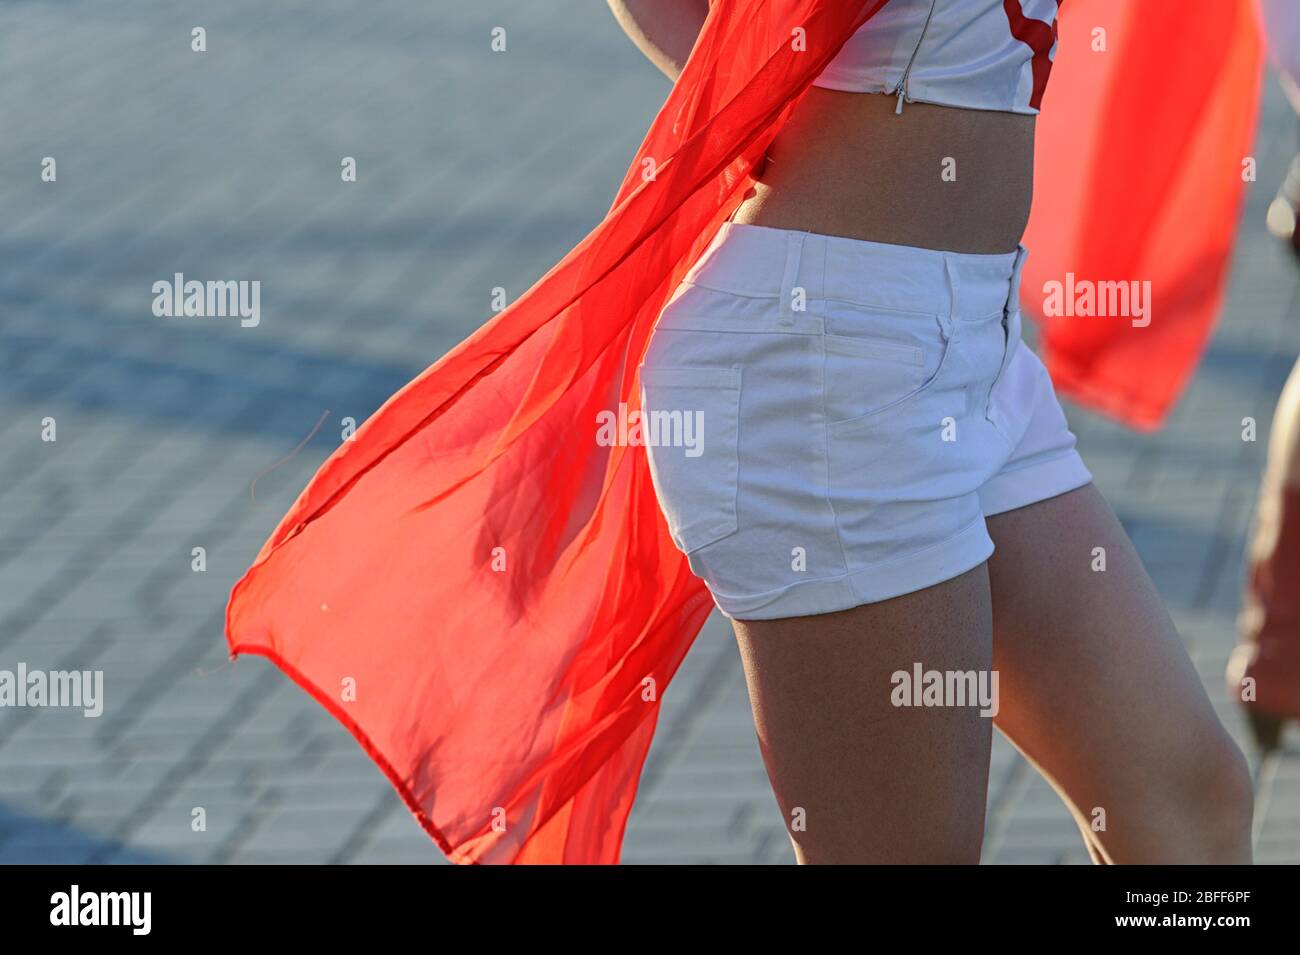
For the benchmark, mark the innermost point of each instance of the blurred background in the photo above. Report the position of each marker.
(475, 170)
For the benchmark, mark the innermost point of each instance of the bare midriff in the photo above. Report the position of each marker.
(935, 177)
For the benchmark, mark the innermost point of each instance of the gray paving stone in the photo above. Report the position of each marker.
(412, 849)
(163, 426)
(45, 855)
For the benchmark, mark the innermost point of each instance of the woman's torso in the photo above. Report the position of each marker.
(920, 132)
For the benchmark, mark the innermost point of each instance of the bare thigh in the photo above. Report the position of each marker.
(858, 779)
(1098, 691)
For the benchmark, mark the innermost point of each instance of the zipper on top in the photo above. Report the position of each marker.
(901, 91)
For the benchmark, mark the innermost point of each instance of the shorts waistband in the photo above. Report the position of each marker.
(760, 261)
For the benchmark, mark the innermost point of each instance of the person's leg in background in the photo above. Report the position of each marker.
(1284, 211)
(1264, 671)
(1282, 32)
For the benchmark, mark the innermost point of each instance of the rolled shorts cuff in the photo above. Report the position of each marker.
(970, 547)
(1035, 481)
(950, 558)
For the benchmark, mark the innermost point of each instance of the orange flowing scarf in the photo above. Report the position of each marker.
(1142, 158)
(484, 594)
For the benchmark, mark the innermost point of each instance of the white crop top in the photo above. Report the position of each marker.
(977, 54)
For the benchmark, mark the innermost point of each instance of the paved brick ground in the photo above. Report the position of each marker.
(226, 164)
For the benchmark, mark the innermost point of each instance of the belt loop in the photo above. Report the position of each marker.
(789, 281)
(954, 295)
(1013, 293)
(814, 268)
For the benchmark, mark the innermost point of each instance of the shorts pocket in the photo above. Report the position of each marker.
(865, 375)
(690, 424)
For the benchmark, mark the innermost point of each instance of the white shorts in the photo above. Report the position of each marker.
(829, 420)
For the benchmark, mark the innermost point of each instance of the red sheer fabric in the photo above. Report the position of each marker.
(499, 587)
(1139, 159)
